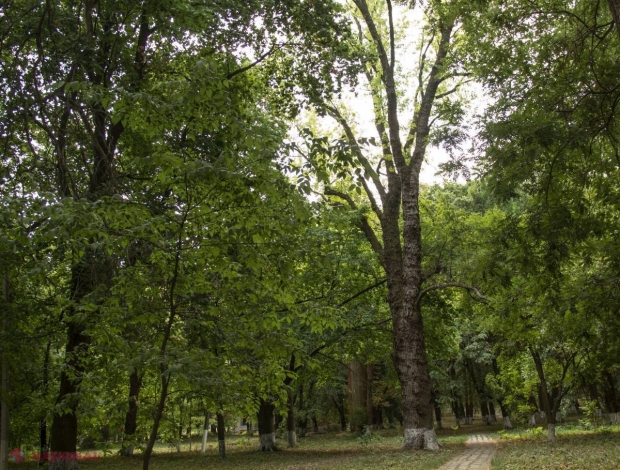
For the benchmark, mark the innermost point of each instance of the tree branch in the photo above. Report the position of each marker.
(362, 292)
(333, 112)
(446, 285)
(364, 224)
(253, 64)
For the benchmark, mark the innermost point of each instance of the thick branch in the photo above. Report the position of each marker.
(364, 224)
(253, 64)
(362, 292)
(387, 77)
(333, 112)
(446, 285)
(421, 122)
(392, 42)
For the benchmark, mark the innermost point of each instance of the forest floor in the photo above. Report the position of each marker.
(577, 448)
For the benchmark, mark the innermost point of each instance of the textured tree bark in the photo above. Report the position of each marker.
(64, 430)
(402, 262)
(358, 395)
(266, 426)
(221, 436)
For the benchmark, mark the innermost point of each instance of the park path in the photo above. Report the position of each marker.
(478, 456)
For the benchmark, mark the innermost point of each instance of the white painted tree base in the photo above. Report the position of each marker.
(268, 442)
(420, 438)
(507, 423)
(205, 435)
(291, 438)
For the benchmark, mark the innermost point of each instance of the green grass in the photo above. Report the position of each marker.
(336, 451)
(577, 448)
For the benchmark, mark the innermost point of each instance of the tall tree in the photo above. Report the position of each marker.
(390, 215)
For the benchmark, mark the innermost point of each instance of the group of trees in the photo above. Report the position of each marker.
(159, 255)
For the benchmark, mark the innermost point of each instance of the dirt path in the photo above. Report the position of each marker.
(478, 456)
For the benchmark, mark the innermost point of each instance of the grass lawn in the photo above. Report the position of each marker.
(334, 451)
(576, 449)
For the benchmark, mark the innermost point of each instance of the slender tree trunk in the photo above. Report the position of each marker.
(266, 426)
(505, 415)
(339, 403)
(158, 415)
(302, 423)
(492, 415)
(438, 416)
(611, 396)
(469, 412)
(205, 434)
(4, 381)
(546, 402)
(131, 417)
(484, 410)
(221, 435)
(291, 436)
(43, 424)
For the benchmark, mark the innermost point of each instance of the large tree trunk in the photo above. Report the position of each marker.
(412, 368)
(64, 431)
(266, 426)
(358, 385)
(221, 436)
(131, 417)
(402, 261)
